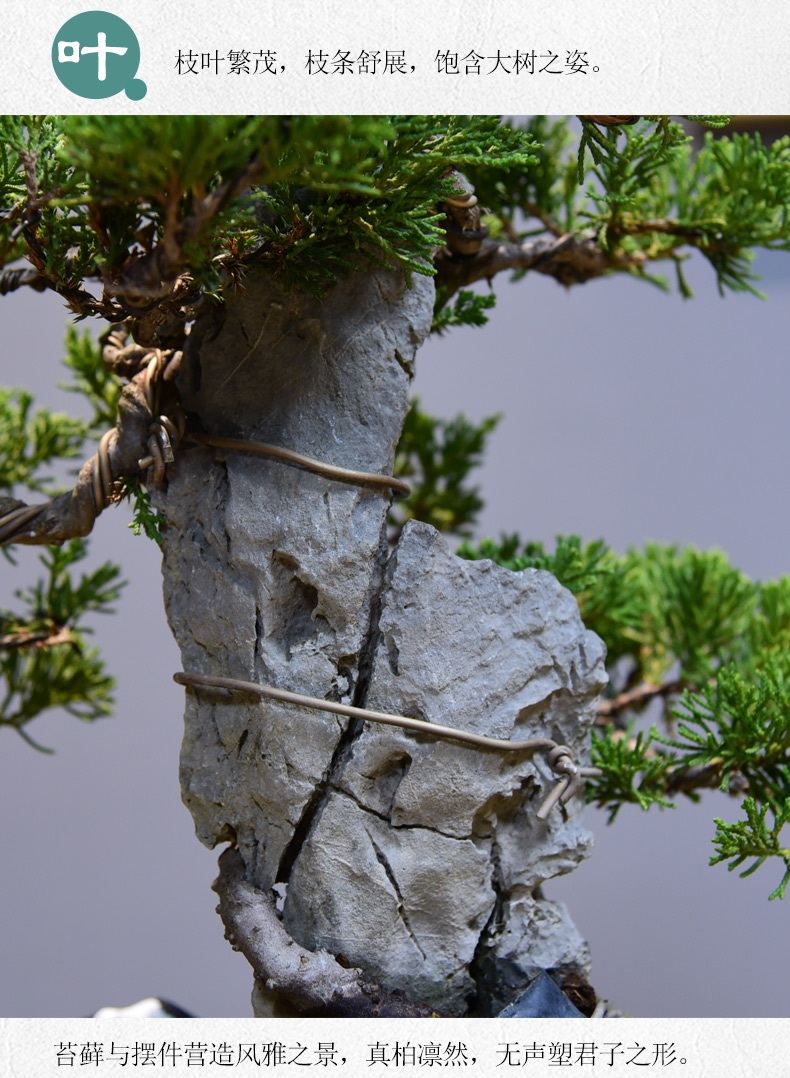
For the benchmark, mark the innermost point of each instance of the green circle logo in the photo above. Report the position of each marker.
(96, 54)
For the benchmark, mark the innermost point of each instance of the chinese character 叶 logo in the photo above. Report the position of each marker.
(96, 54)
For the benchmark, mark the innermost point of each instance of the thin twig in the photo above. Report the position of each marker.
(642, 694)
(533, 210)
(666, 226)
(47, 638)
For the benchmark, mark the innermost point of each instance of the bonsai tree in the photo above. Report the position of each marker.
(265, 284)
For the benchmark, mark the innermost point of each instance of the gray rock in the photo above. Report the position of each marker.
(438, 851)
(407, 908)
(419, 861)
(270, 570)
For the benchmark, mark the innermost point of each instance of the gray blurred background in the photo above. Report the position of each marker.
(629, 415)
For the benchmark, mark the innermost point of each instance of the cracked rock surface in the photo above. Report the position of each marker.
(433, 847)
(419, 861)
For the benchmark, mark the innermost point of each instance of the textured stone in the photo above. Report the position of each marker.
(270, 570)
(471, 645)
(418, 861)
(409, 908)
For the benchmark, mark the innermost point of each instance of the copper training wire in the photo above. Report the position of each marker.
(165, 434)
(560, 757)
(15, 520)
(332, 471)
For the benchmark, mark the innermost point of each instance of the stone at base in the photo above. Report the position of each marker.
(543, 999)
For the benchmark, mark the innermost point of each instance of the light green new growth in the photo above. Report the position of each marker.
(145, 519)
(753, 837)
(31, 438)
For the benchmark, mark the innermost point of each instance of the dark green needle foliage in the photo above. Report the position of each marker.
(435, 456)
(130, 215)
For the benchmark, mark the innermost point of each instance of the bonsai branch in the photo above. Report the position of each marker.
(632, 698)
(155, 277)
(45, 638)
(143, 438)
(310, 982)
(570, 259)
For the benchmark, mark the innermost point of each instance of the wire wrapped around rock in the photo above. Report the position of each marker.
(165, 433)
(560, 757)
(290, 456)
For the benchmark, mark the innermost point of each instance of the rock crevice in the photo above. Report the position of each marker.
(417, 860)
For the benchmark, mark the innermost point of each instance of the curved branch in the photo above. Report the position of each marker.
(15, 277)
(127, 450)
(310, 982)
(154, 277)
(570, 259)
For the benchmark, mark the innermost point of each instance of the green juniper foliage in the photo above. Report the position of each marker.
(304, 196)
(752, 837)
(92, 379)
(44, 660)
(145, 519)
(689, 633)
(468, 310)
(31, 438)
(647, 195)
(165, 214)
(436, 456)
(654, 196)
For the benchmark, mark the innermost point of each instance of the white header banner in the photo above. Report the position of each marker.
(307, 57)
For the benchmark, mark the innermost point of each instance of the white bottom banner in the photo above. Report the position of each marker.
(694, 1048)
